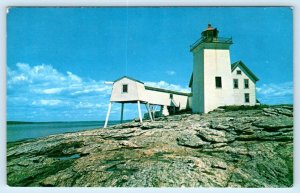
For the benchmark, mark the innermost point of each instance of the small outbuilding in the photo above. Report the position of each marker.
(129, 90)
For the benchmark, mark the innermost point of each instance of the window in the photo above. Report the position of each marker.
(247, 98)
(235, 83)
(171, 96)
(218, 82)
(239, 72)
(246, 82)
(125, 88)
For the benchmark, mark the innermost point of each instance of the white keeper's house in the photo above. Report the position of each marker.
(214, 82)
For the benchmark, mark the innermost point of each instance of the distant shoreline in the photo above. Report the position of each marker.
(29, 122)
(19, 130)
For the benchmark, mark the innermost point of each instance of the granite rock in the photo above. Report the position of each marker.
(242, 148)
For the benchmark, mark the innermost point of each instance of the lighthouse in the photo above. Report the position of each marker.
(214, 82)
(211, 80)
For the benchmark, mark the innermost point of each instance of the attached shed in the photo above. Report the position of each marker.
(126, 90)
(164, 97)
(130, 90)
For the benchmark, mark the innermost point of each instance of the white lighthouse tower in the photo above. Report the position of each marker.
(211, 80)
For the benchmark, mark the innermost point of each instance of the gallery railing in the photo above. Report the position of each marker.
(211, 40)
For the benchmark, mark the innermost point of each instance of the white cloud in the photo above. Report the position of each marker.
(281, 89)
(55, 95)
(89, 105)
(170, 72)
(74, 77)
(20, 78)
(27, 74)
(47, 90)
(47, 102)
(44, 79)
(100, 88)
(275, 93)
(165, 85)
(50, 92)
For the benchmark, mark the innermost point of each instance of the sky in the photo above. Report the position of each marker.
(59, 58)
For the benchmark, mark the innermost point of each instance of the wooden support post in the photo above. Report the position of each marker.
(165, 111)
(140, 113)
(149, 111)
(107, 115)
(122, 109)
(153, 110)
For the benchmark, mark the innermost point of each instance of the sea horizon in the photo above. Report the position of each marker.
(22, 130)
(12, 122)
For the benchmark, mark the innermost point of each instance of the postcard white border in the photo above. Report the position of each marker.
(5, 3)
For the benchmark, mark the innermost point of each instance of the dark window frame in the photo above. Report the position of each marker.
(247, 98)
(235, 83)
(239, 72)
(246, 83)
(218, 81)
(123, 88)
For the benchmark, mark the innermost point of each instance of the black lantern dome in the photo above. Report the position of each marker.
(210, 33)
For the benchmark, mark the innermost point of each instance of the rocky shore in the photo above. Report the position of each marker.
(241, 148)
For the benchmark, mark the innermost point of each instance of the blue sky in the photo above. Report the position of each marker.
(59, 58)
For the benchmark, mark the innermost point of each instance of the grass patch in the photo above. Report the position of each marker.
(184, 111)
(243, 107)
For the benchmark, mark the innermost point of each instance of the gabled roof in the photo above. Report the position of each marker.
(167, 91)
(240, 63)
(128, 78)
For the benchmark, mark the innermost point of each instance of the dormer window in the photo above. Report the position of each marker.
(125, 88)
(239, 72)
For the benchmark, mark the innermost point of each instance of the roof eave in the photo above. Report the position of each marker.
(129, 79)
(236, 64)
(167, 91)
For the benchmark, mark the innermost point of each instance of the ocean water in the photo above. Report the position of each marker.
(19, 131)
